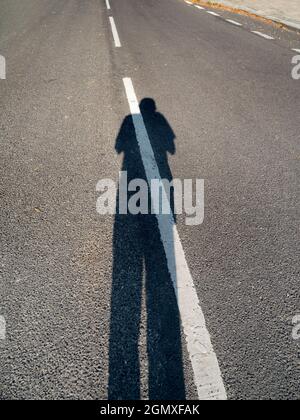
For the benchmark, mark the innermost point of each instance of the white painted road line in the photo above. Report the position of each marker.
(199, 7)
(205, 365)
(262, 35)
(188, 2)
(115, 32)
(2, 328)
(296, 50)
(212, 13)
(233, 22)
(107, 4)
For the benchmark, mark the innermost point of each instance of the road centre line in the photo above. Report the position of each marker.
(207, 374)
(115, 32)
(107, 4)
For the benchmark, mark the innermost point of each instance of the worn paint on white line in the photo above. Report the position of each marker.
(2, 328)
(262, 35)
(115, 32)
(205, 365)
(233, 22)
(107, 4)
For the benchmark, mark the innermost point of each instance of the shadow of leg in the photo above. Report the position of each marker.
(124, 369)
(166, 376)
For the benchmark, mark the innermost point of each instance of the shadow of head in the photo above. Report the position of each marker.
(148, 106)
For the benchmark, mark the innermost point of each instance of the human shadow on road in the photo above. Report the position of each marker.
(140, 267)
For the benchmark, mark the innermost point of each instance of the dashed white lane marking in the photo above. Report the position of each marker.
(107, 4)
(199, 7)
(2, 328)
(188, 2)
(296, 50)
(205, 365)
(233, 22)
(262, 35)
(115, 32)
(212, 13)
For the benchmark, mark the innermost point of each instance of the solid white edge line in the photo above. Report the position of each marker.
(233, 22)
(107, 4)
(262, 35)
(207, 374)
(115, 32)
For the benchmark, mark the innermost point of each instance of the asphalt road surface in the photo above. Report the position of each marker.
(87, 305)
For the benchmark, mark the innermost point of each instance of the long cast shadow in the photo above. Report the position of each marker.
(139, 254)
